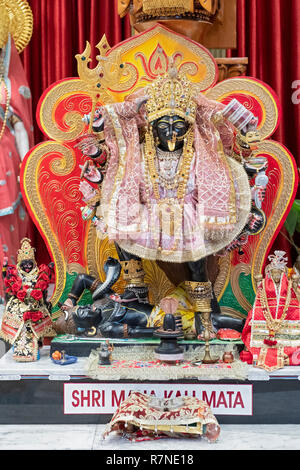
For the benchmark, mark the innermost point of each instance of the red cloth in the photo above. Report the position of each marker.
(20, 104)
(2, 288)
(256, 330)
(246, 356)
(228, 334)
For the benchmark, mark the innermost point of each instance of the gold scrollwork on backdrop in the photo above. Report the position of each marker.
(250, 88)
(236, 271)
(30, 175)
(74, 124)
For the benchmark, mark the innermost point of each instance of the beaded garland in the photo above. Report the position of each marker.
(182, 174)
(180, 181)
(274, 325)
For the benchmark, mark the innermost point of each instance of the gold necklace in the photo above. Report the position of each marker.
(29, 277)
(274, 325)
(182, 174)
(167, 179)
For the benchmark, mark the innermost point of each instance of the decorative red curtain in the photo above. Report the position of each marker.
(269, 35)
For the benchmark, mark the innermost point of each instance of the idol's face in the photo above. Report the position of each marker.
(89, 313)
(276, 275)
(27, 265)
(170, 130)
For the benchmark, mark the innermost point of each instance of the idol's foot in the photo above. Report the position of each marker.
(112, 270)
(132, 294)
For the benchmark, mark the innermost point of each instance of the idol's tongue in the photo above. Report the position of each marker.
(171, 145)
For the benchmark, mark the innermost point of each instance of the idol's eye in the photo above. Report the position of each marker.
(179, 125)
(163, 125)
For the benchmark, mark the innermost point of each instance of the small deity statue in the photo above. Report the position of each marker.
(272, 330)
(26, 320)
(175, 187)
(105, 353)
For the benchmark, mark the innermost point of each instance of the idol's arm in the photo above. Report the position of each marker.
(21, 136)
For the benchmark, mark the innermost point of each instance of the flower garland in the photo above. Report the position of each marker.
(17, 287)
(33, 316)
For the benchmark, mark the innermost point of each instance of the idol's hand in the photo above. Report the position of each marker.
(258, 195)
(258, 279)
(98, 121)
(99, 224)
(87, 190)
(21, 139)
(141, 101)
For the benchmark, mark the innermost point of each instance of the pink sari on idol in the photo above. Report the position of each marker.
(217, 198)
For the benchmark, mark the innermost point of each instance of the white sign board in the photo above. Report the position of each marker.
(104, 398)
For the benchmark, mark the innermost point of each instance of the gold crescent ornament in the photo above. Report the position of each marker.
(20, 24)
(92, 331)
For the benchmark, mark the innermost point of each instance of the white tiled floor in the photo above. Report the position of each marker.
(89, 437)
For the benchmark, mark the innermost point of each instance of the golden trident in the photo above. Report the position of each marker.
(107, 73)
